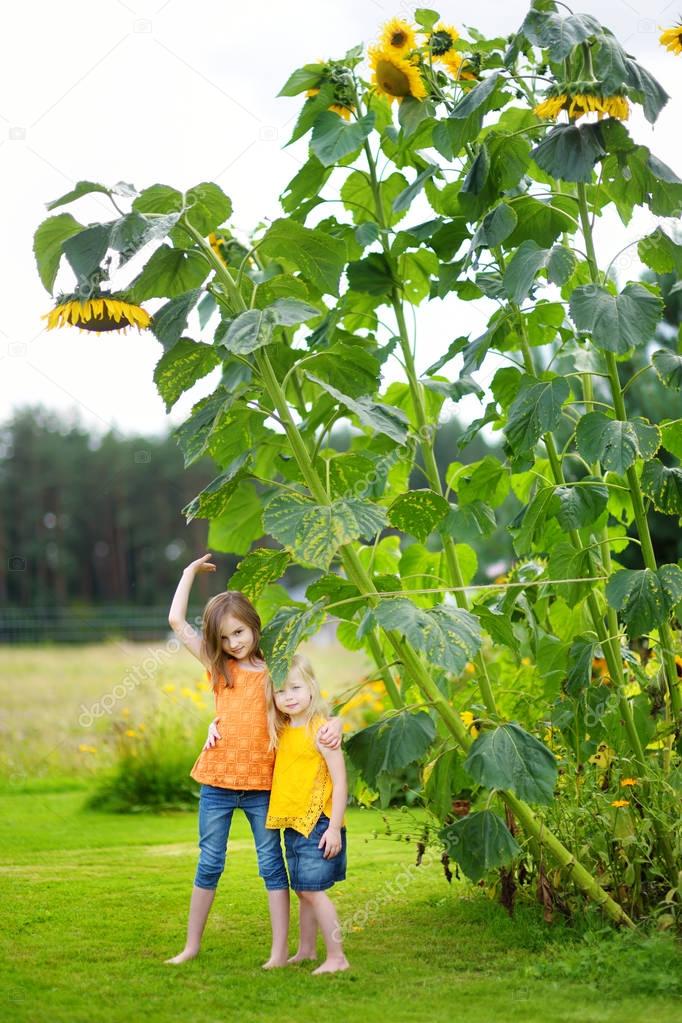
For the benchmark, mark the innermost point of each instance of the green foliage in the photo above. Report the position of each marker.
(479, 842)
(507, 757)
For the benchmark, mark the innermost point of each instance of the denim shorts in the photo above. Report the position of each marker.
(309, 871)
(216, 806)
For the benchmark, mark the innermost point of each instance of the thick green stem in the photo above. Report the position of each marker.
(426, 440)
(665, 632)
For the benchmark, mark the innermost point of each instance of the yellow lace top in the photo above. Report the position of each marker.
(301, 783)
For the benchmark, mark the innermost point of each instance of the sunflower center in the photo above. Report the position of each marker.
(441, 42)
(392, 80)
(399, 38)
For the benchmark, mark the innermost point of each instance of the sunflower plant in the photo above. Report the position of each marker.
(448, 178)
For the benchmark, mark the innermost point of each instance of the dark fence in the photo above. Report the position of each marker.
(89, 624)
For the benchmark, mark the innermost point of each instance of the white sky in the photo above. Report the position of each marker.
(179, 93)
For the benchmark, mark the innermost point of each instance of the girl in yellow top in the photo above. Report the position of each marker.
(308, 799)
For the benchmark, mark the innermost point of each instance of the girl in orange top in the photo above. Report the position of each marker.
(235, 769)
(309, 793)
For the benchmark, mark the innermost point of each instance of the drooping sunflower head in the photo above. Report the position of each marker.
(672, 38)
(583, 100)
(337, 108)
(441, 40)
(394, 76)
(398, 36)
(99, 313)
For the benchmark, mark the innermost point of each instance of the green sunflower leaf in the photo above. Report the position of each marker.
(616, 323)
(644, 597)
(663, 484)
(668, 366)
(213, 499)
(388, 747)
(418, 512)
(240, 525)
(570, 151)
(447, 636)
(565, 562)
(47, 245)
(535, 410)
(86, 250)
(284, 633)
(181, 366)
(386, 419)
(303, 78)
(318, 255)
(169, 323)
(480, 842)
(81, 188)
(614, 442)
(333, 137)
(158, 199)
(507, 757)
(582, 503)
(206, 207)
(169, 273)
(314, 533)
(257, 570)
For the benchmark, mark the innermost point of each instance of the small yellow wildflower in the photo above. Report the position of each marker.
(525, 661)
(324, 693)
(203, 687)
(126, 712)
(628, 782)
(168, 688)
(397, 35)
(468, 719)
(186, 692)
(393, 76)
(83, 748)
(620, 802)
(672, 39)
(131, 733)
(469, 668)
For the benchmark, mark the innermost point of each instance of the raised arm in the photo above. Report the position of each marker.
(177, 616)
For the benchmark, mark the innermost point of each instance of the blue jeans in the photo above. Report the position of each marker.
(216, 806)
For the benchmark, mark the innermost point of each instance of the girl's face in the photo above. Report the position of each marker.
(294, 698)
(236, 637)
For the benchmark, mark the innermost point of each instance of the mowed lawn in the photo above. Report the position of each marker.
(92, 904)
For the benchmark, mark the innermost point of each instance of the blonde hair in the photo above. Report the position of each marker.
(302, 670)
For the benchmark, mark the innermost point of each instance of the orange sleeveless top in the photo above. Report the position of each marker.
(240, 759)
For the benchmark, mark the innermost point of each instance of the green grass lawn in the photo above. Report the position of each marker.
(93, 903)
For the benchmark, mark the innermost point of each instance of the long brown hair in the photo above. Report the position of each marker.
(234, 603)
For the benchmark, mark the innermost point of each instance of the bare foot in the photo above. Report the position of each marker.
(301, 957)
(273, 962)
(333, 965)
(187, 953)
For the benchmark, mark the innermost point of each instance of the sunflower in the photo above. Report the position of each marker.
(442, 40)
(337, 108)
(672, 38)
(398, 36)
(218, 245)
(395, 77)
(100, 313)
(458, 67)
(576, 104)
